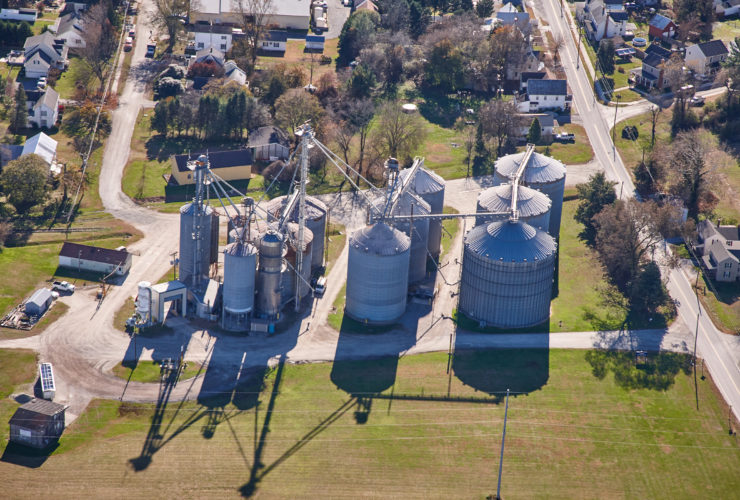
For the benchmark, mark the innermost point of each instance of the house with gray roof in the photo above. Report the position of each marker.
(705, 59)
(43, 109)
(547, 94)
(602, 19)
(69, 28)
(661, 26)
(42, 53)
(719, 248)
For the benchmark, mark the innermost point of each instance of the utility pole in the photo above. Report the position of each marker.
(696, 336)
(614, 128)
(174, 263)
(503, 439)
(578, 48)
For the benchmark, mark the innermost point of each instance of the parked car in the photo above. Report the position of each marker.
(150, 48)
(320, 287)
(697, 100)
(129, 44)
(63, 286)
(565, 137)
(132, 32)
(41, 82)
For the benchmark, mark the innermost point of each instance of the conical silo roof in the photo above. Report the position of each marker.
(403, 207)
(293, 230)
(530, 202)
(510, 241)
(380, 239)
(425, 181)
(315, 208)
(540, 170)
(240, 249)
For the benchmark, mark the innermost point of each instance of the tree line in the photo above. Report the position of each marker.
(14, 33)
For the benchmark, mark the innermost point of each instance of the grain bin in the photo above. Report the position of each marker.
(377, 274)
(431, 188)
(410, 204)
(316, 212)
(143, 300)
(543, 173)
(196, 256)
(240, 269)
(290, 279)
(271, 251)
(507, 274)
(533, 206)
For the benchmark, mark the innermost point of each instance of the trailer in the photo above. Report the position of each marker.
(46, 375)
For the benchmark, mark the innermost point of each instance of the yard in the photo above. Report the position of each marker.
(396, 428)
(631, 151)
(295, 55)
(16, 367)
(726, 30)
(77, 72)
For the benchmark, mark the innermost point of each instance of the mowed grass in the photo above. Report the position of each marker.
(631, 151)
(392, 428)
(726, 30)
(16, 367)
(449, 231)
(570, 153)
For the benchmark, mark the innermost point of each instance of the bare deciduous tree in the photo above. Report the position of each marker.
(169, 15)
(500, 121)
(254, 16)
(100, 41)
(398, 134)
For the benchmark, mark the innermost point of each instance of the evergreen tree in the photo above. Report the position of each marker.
(418, 18)
(605, 55)
(595, 194)
(484, 8)
(19, 120)
(535, 132)
(160, 118)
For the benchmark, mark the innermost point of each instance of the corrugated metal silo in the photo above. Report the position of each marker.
(271, 251)
(407, 204)
(316, 212)
(377, 274)
(507, 274)
(431, 188)
(542, 173)
(533, 206)
(189, 265)
(291, 279)
(240, 268)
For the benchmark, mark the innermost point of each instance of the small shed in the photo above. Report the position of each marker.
(274, 41)
(39, 302)
(269, 142)
(37, 423)
(94, 259)
(315, 42)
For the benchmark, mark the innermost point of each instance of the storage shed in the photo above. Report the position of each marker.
(94, 259)
(37, 423)
(39, 302)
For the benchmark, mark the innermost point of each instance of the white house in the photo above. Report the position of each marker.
(94, 259)
(704, 59)
(530, 64)
(28, 15)
(315, 42)
(234, 73)
(42, 145)
(43, 52)
(43, 109)
(602, 19)
(69, 28)
(547, 124)
(274, 41)
(285, 14)
(725, 8)
(213, 35)
(547, 94)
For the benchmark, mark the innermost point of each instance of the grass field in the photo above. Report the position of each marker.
(449, 231)
(726, 30)
(16, 367)
(591, 425)
(570, 153)
(67, 83)
(631, 151)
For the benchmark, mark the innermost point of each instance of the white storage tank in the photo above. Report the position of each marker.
(316, 212)
(377, 274)
(533, 206)
(507, 274)
(144, 299)
(409, 204)
(240, 269)
(430, 187)
(543, 173)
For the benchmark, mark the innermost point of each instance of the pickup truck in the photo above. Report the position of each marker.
(565, 137)
(150, 48)
(63, 286)
(320, 287)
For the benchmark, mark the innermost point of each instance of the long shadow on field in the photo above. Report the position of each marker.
(493, 371)
(27, 457)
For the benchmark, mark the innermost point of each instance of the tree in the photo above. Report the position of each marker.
(500, 121)
(160, 121)
(689, 11)
(605, 56)
(358, 32)
(418, 18)
(595, 194)
(167, 17)
(19, 120)
(254, 15)
(361, 82)
(80, 121)
(626, 231)
(100, 41)
(648, 292)
(534, 135)
(506, 52)
(296, 107)
(398, 134)
(484, 8)
(444, 68)
(655, 111)
(25, 181)
(468, 133)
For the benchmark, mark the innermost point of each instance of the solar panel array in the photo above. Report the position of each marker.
(47, 377)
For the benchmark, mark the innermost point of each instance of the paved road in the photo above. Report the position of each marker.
(719, 350)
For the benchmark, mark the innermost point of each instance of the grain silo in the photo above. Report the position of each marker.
(377, 274)
(240, 268)
(290, 279)
(409, 204)
(271, 266)
(198, 243)
(431, 188)
(507, 274)
(533, 206)
(316, 212)
(542, 173)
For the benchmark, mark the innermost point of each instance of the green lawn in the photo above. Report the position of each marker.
(620, 78)
(40, 24)
(149, 371)
(570, 153)
(631, 151)
(444, 152)
(449, 231)
(16, 367)
(337, 235)
(67, 83)
(726, 30)
(143, 178)
(581, 424)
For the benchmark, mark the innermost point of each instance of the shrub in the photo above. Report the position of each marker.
(168, 87)
(174, 71)
(205, 69)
